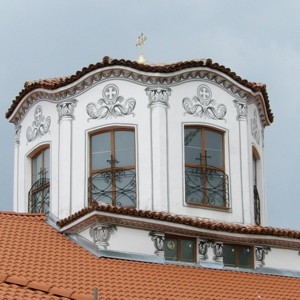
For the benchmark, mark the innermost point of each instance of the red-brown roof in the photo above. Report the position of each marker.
(194, 222)
(54, 83)
(38, 262)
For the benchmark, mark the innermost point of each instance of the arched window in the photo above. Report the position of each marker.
(205, 180)
(112, 167)
(255, 173)
(39, 194)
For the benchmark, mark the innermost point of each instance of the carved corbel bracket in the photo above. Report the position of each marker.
(260, 253)
(218, 251)
(158, 238)
(101, 234)
(202, 249)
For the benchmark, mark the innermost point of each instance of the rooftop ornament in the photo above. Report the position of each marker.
(140, 42)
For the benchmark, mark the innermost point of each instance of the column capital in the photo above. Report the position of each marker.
(241, 109)
(17, 134)
(158, 96)
(66, 109)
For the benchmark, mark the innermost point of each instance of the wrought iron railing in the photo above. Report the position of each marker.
(206, 185)
(115, 187)
(39, 196)
(256, 205)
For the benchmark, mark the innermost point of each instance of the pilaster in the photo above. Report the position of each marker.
(158, 104)
(66, 115)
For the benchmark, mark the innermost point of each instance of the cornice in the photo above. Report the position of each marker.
(179, 229)
(147, 75)
(165, 222)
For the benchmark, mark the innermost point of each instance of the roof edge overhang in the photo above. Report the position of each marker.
(66, 87)
(164, 222)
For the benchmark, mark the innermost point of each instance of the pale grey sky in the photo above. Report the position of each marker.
(257, 39)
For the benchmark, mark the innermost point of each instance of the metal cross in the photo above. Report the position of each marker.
(205, 158)
(112, 161)
(110, 93)
(204, 93)
(42, 173)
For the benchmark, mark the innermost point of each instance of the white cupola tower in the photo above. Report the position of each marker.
(185, 139)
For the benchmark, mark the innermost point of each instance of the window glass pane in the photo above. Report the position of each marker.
(171, 249)
(101, 152)
(214, 148)
(229, 255)
(124, 147)
(193, 145)
(47, 162)
(37, 165)
(245, 257)
(187, 248)
(125, 158)
(124, 140)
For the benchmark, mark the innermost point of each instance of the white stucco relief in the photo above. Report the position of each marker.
(40, 125)
(203, 105)
(111, 105)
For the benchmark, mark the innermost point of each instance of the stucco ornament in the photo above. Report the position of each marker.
(111, 105)
(218, 251)
(254, 127)
(158, 238)
(241, 109)
(203, 105)
(40, 125)
(66, 109)
(260, 253)
(101, 234)
(202, 246)
(158, 96)
(17, 134)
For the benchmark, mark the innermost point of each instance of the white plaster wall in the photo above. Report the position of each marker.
(126, 239)
(283, 259)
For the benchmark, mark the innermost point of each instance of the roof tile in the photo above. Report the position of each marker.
(40, 257)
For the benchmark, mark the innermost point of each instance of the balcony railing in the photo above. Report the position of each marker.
(115, 187)
(206, 185)
(39, 196)
(256, 206)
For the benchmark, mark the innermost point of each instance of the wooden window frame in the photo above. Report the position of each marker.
(45, 184)
(237, 249)
(204, 161)
(179, 238)
(113, 168)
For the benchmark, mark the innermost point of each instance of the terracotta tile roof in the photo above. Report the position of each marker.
(54, 83)
(37, 262)
(195, 222)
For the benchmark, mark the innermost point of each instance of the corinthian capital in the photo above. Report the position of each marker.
(66, 109)
(158, 95)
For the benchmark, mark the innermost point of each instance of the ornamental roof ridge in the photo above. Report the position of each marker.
(55, 83)
(185, 220)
